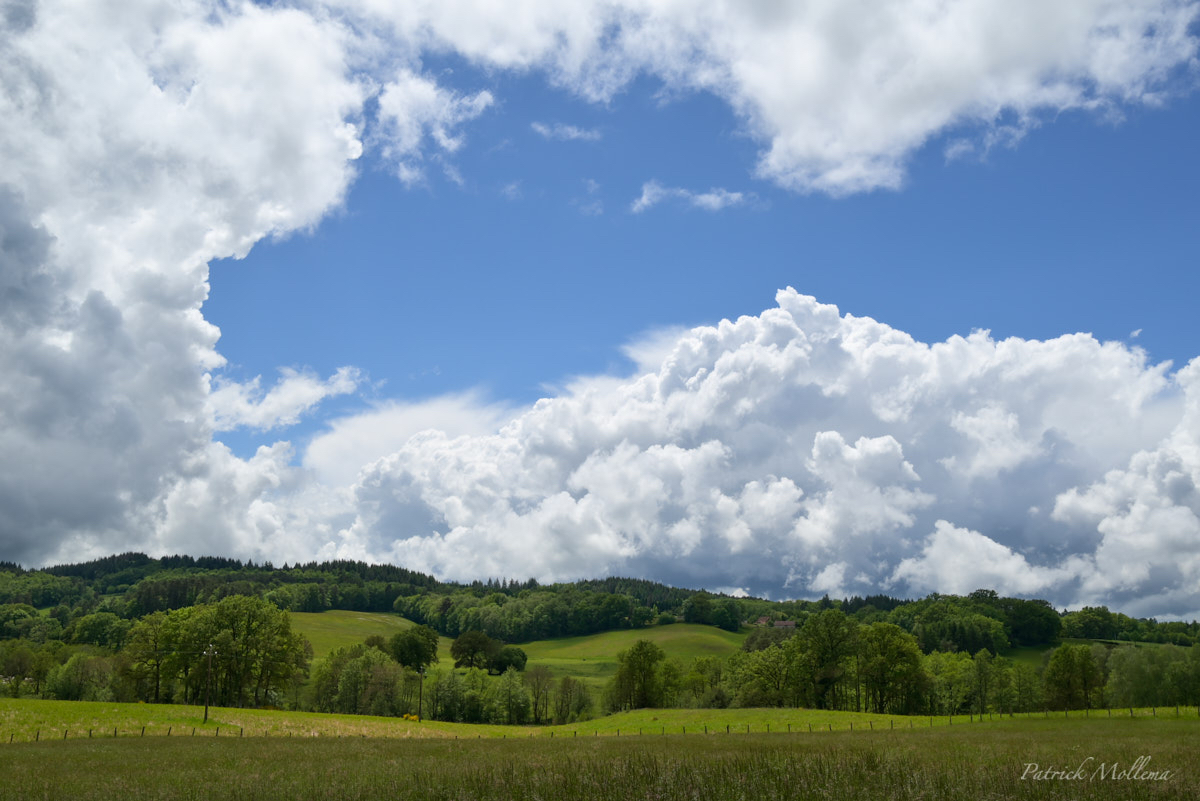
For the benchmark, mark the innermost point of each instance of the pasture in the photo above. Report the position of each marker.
(339, 628)
(1093, 758)
(593, 658)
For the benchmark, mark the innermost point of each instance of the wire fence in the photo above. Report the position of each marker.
(23, 735)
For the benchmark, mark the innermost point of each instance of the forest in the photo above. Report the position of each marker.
(189, 630)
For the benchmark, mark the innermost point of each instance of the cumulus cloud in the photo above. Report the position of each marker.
(236, 404)
(133, 151)
(803, 451)
(352, 443)
(565, 133)
(958, 560)
(1147, 513)
(715, 199)
(840, 95)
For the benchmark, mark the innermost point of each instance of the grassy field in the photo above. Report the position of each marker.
(591, 658)
(337, 628)
(985, 761)
(33, 720)
(594, 658)
(1032, 655)
(1036, 655)
(29, 720)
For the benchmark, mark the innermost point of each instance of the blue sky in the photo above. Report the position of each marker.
(534, 269)
(787, 299)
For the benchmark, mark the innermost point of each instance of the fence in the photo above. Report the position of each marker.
(797, 727)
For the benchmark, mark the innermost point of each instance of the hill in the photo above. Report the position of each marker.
(593, 658)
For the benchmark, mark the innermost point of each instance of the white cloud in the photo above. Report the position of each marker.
(797, 451)
(1001, 445)
(413, 107)
(352, 443)
(591, 204)
(1147, 515)
(244, 404)
(830, 580)
(565, 133)
(839, 94)
(958, 560)
(715, 199)
(648, 350)
(133, 150)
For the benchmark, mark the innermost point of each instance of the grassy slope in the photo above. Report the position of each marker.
(592, 658)
(339, 628)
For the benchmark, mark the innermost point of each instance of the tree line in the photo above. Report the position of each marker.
(836, 662)
(80, 631)
(133, 585)
(239, 651)
(392, 677)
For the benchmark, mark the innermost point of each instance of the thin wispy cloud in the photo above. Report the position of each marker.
(565, 133)
(591, 204)
(654, 193)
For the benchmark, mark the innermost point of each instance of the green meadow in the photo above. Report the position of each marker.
(32, 720)
(340, 628)
(1075, 757)
(593, 658)
(336, 628)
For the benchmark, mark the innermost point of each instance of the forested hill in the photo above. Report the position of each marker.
(131, 585)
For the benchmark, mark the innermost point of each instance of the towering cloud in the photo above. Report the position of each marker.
(134, 149)
(803, 451)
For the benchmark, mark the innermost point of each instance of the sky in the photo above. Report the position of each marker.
(767, 298)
